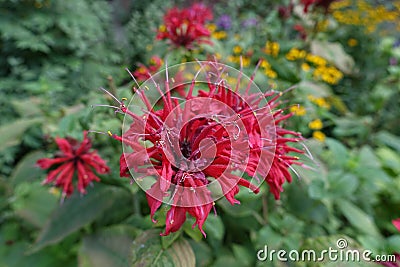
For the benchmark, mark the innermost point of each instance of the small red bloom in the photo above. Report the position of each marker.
(143, 73)
(396, 223)
(285, 11)
(186, 27)
(319, 3)
(300, 29)
(73, 156)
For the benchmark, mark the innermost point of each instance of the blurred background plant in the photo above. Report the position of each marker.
(343, 59)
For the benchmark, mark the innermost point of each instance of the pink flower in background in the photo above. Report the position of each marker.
(396, 223)
(186, 27)
(73, 157)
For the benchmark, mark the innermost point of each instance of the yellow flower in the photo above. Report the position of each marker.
(245, 61)
(320, 136)
(270, 73)
(329, 75)
(265, 64)
(162, 28)
(272, 48)
(219, 35)
(321, 102)
(315, 124)
(295, 54)
(218, 56)
(237, 49)
(352, 42)
(316, 60)
(298, 110)
(305, 67)
(211, 27)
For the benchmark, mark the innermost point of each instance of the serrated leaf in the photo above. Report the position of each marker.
(75, 213)
(148, 251)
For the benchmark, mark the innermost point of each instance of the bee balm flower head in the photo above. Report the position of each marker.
(190, 151)
(73, 157)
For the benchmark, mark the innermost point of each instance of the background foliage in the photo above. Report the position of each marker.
(54, 54)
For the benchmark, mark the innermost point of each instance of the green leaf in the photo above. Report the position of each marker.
(10, 134)
(315, 89)
(26, 171)
(33, 203)
(358, 218)
(27, 107)
(389, 139)
(389, 158)
(75, 213)
(107, 248)
(148, 251)
(243, 254)
(214, 227)
(167, 241)
(202, 251)
(338, 154)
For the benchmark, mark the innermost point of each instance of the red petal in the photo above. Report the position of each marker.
(64, 146)
(176, 216)
(396, 223)
(46, 163)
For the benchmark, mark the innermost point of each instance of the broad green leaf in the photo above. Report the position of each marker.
(33, 202)
(338, 155)
(389, 158)
(148, 251)
(243, 254)
(168, 240)
(358, 218)
(106, 248)
(389, 139)
(214, 227)
(202, 251)
(342, 184)
(26, 171)
(10, 134)
(76, 212)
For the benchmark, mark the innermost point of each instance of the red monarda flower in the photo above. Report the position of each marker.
(73, 157)
(203, 141)
(186, 27)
